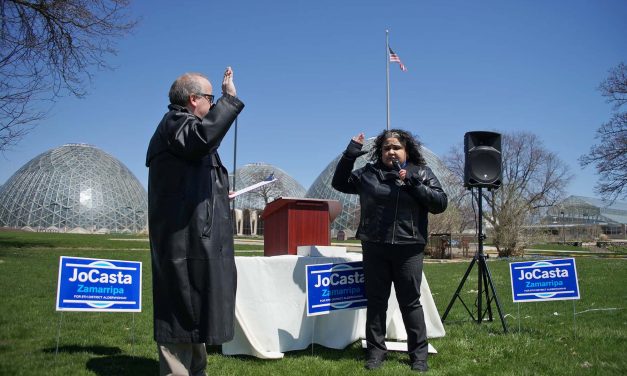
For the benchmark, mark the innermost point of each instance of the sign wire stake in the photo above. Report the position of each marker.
(574, 320)
(133, 336)
(518, 308)
(56, 351)
(313, 335)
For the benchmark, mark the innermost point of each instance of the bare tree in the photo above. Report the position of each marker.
(533, 178)
(447, 222)
(266, 192)
(609, 156)
(47, 49)
(458, 215)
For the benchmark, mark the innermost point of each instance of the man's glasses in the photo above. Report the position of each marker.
(208, 97)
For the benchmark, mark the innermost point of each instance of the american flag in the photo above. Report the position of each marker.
(395, 59)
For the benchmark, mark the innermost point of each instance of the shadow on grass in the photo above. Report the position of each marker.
(109, 361)
(492, 327)
(351, 352)
(123, 365)
(72, 349)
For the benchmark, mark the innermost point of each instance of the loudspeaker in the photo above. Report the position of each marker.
(482, 167)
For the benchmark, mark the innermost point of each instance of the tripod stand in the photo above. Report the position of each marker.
(484, 281)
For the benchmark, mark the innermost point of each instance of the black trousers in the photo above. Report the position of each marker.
(385, 264)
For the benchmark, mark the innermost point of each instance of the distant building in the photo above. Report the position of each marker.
(250, 205)
(580, 218)
(346, 223)
(74, 188)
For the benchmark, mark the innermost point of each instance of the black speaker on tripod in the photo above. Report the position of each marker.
(483, 165)
(482, 169)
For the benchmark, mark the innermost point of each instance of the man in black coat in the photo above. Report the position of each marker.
(191, 238)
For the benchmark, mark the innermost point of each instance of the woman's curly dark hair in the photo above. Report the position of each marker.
(409, 141)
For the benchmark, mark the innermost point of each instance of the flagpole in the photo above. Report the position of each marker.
(234, 170)
(387, 75)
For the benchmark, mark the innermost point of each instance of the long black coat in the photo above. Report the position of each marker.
(191, 237)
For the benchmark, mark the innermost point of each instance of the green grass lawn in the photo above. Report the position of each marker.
(582, 337)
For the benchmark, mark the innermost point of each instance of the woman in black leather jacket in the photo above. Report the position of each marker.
(396, 192)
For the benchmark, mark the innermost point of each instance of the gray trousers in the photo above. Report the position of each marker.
(385, 264)
(182, 359)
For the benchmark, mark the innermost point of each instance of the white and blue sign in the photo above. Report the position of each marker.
(99, 285)
(534, 281)
(332, 287)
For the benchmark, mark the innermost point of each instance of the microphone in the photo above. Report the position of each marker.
(397, 167)
(396, 164)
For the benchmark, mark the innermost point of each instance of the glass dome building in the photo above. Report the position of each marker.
(249, 205)
(74, 188)
(348, 220)
(284, 186)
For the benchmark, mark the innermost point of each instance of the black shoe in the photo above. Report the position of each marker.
(419, 366)
(374, 363)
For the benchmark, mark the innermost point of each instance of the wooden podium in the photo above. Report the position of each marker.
(290, 222)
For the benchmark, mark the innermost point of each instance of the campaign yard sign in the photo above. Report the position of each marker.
(544, 280)
(332, 287)
(99, 285)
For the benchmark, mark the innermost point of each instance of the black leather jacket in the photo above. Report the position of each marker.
(391, 212)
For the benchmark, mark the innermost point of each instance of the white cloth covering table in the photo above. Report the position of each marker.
(271, 310)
